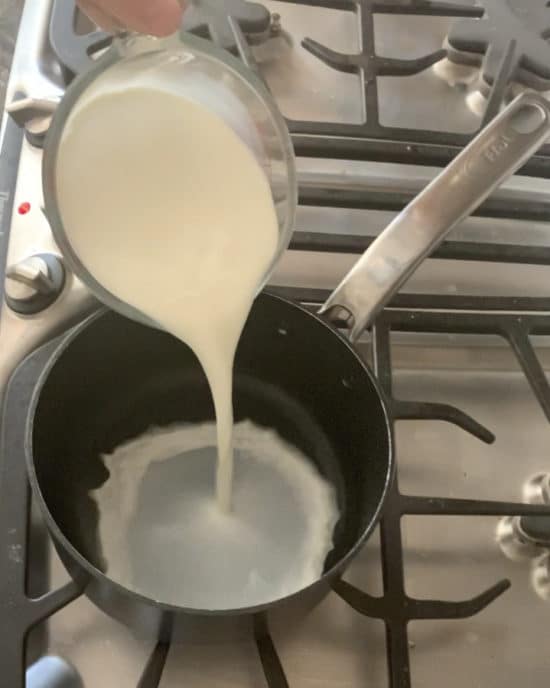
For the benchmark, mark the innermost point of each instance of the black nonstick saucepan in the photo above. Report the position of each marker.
(111, 378)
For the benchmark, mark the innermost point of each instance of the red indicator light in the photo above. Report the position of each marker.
(24, 208)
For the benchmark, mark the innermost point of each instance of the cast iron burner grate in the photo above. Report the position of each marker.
(513, 319)
(370, 140)
(485, 42)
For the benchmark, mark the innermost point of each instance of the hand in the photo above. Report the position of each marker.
(157, 17)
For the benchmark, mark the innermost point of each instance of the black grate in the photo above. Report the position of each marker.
(514, 319)
(369, 140)
(453, 315)
(374, 141)
(485, 42)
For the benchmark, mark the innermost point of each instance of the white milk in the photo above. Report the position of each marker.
(163, 536)
(170, 212)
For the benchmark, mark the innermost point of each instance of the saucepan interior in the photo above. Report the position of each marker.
(111, 379)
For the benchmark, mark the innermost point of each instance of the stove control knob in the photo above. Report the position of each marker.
(540, 576)
(513, 542)
(35, 114)
(34, 283)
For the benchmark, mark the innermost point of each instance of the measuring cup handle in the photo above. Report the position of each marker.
(495, 154)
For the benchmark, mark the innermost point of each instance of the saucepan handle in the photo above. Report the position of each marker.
(496, 153)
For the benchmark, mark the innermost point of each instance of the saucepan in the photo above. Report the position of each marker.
(111, 378)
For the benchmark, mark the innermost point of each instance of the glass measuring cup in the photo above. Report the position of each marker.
(196, 70)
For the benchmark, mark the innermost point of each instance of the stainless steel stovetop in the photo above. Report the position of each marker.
(344, 204)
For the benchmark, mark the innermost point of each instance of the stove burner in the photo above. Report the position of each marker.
(527, 537)
(478, 99)
(485, 42)
(537, 489)
(54, 672)
(455, 73)
(513, 542)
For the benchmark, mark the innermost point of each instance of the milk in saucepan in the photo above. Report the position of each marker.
(171, 212)
(164, 536)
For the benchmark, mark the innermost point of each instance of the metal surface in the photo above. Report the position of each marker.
(9, 159)
(473, 379)
(495, 154)
(383, 132)
(34, 284)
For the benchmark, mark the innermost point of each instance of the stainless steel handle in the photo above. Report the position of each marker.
(495, 154)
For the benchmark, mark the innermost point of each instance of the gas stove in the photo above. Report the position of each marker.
(378, 95)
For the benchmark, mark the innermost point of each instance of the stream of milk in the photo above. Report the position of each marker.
(171, 213)
(164, 536)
